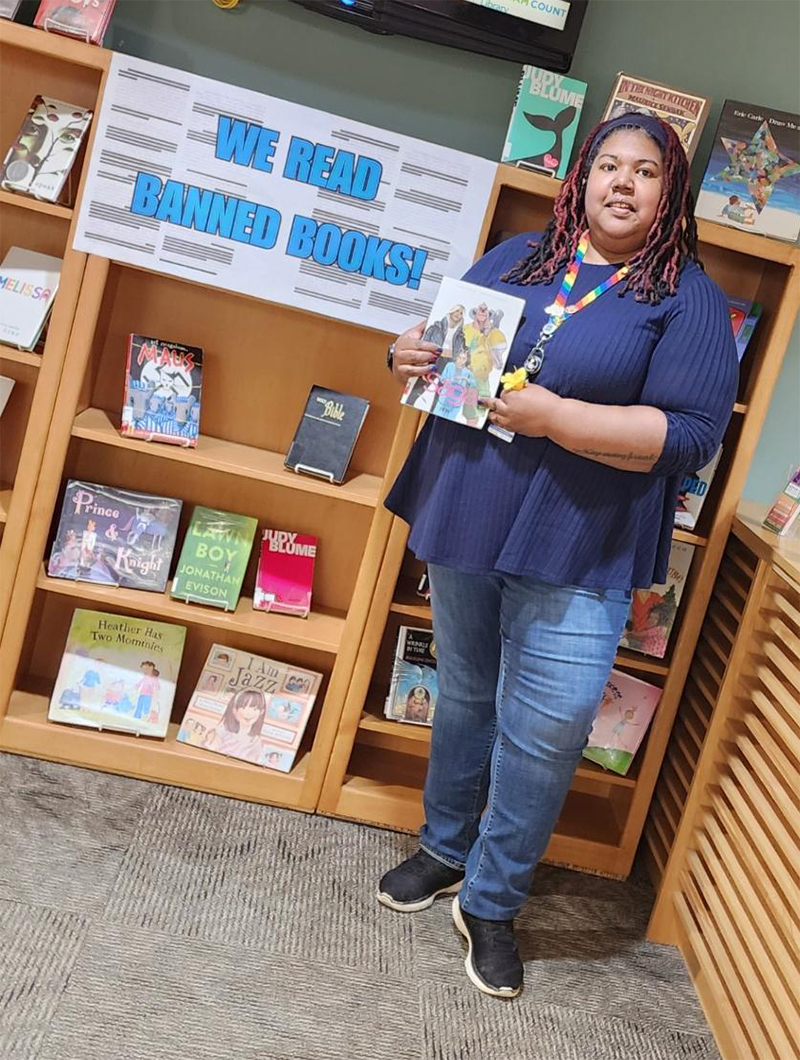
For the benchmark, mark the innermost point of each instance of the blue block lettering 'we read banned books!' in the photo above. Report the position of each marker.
(474, 327)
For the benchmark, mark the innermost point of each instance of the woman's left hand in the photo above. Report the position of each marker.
(529, 411)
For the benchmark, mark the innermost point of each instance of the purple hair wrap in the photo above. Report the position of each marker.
(648, 123)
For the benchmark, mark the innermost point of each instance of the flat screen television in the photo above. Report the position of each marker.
(540, 32)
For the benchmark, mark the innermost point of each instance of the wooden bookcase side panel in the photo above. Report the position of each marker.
(32, 62)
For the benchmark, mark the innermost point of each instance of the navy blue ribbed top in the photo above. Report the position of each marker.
(479, 504)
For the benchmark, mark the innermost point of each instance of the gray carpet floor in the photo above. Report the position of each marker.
(140, 922)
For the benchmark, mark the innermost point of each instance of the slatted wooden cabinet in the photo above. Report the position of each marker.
(730, 892)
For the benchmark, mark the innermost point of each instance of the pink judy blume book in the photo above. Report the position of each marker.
(285, 573)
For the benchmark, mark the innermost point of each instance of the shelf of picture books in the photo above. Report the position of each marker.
(47, 100)
(378, 764)
(197, 599)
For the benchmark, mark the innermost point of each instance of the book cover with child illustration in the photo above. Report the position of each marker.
(414, 686)
(250, 707)
(114, 536)
(752, 179)
(625, 711)
(163, 382)
(473, 328)
(653, 610)
(118, 673)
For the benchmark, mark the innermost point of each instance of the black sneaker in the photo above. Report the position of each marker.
(492, 962)
(416, 882)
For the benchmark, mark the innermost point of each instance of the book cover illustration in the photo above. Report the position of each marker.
(28, 286)
(625, 711)
(6, 386)
(693, 492)
(544, 121)
(327, 433)
(744, 317)
(114, 537)
(414, 686)
(784, 512)
(85, 19)
(474, 326)
(163, 381)
(684, 112)
(285, 573)
(250, 707)
(118, 673)
(214, 558)
(40, 159)
(653, 610)
(752, 179)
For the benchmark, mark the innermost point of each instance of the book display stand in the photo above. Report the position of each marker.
(378, 766)
(32, 62)
(260, 361)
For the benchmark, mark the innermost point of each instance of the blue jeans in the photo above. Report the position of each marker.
(521, 667)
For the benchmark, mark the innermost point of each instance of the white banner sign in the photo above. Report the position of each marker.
(210, 182)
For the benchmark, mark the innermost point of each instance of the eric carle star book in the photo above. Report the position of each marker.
(752, 180)
(118, 673)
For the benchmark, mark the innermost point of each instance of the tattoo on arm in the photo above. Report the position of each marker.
(638, 458)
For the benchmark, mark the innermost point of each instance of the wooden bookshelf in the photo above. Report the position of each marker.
(34, 62)
(369, 777)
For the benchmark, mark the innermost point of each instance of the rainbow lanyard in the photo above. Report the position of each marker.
(559, 311)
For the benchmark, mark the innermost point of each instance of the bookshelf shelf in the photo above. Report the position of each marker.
(5, 501)
(740, 408)
(9, 353)
(96, 425)
(321, 631)
(28, 202)
(376, 731)
(26, 730)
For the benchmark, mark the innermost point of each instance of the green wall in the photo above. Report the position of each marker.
(745, 49)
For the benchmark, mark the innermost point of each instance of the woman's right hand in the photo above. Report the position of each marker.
(412, 356)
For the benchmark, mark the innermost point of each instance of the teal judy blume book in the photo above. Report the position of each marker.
(214, 558)
(544, 121)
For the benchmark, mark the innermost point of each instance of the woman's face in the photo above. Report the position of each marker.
(623, 190)
(247, 713)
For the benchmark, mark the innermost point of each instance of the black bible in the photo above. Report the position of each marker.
(326, 435)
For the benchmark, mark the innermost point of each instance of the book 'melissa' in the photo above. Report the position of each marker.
(326, 435)
(114, 536)
(250, 707)
(214, 558)
(163, 382)
(28, 286)
(118, 673)
(285, 573)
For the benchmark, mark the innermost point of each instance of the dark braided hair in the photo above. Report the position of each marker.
(672, 239)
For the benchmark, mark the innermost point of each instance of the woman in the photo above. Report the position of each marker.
(533, 546)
